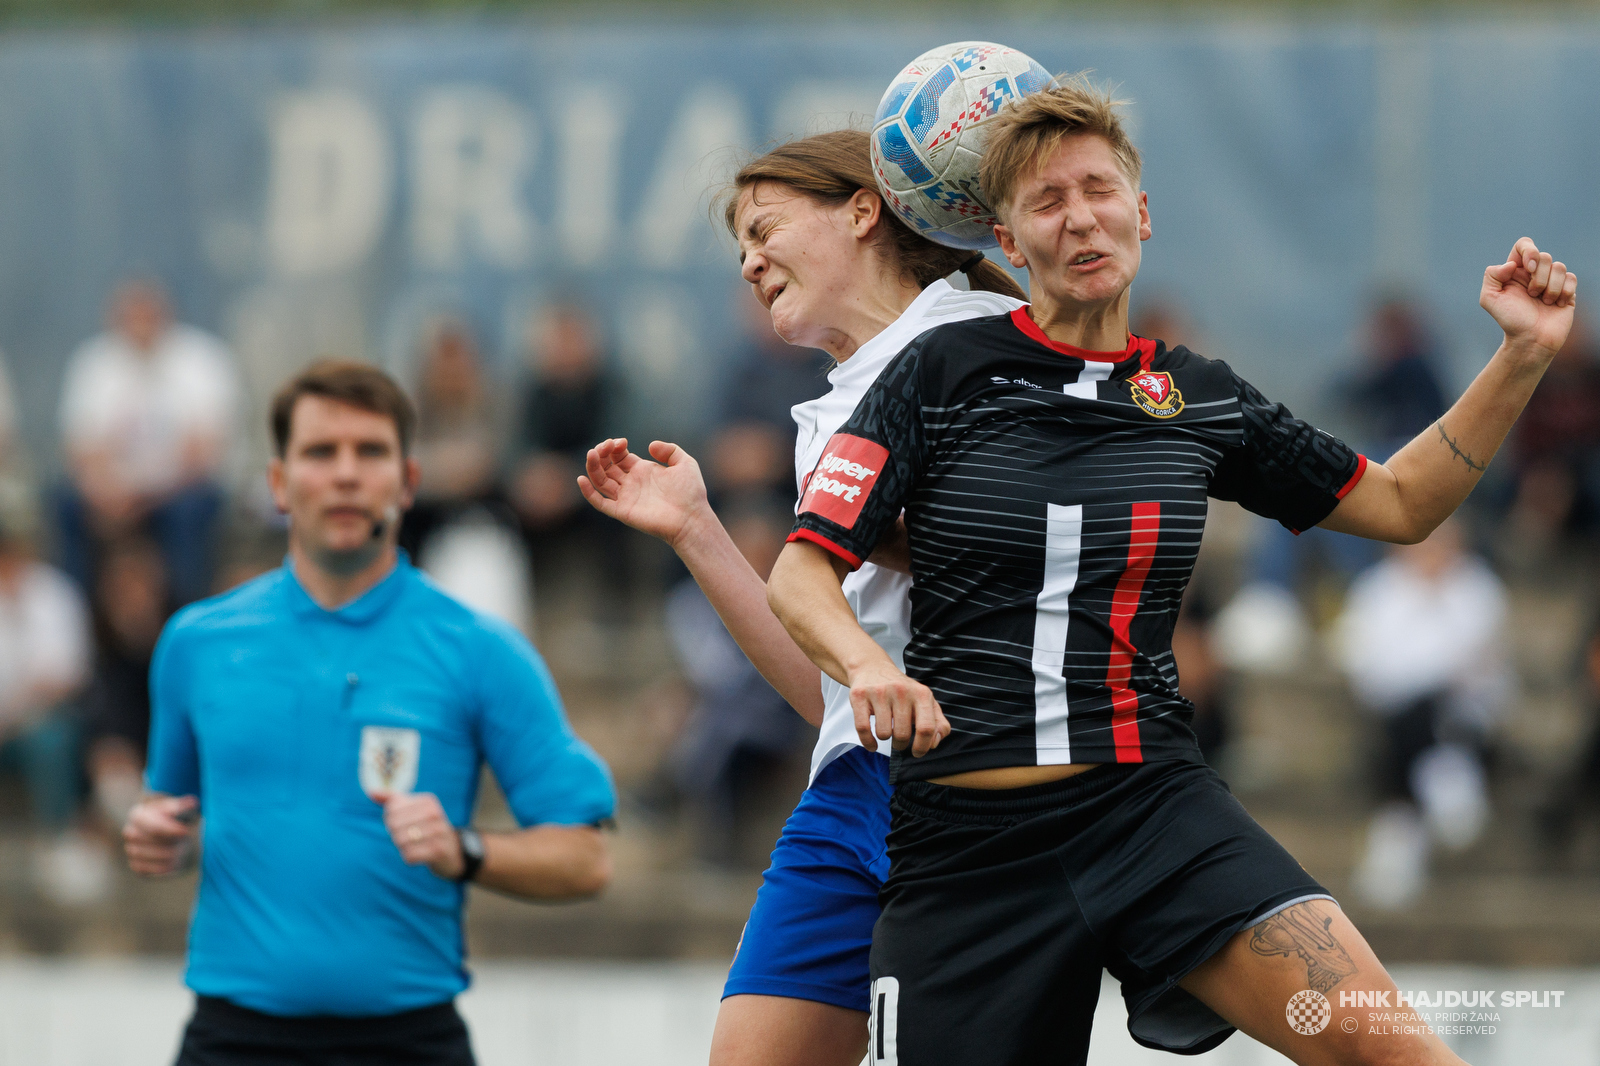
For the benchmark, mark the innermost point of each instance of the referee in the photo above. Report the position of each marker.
(321, 732)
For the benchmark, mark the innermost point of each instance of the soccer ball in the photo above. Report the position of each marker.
(928, 135)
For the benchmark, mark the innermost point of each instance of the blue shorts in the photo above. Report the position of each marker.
(810, 931)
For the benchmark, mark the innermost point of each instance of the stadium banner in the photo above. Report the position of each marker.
(327, 190)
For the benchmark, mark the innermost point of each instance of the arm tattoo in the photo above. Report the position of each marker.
(1298, 931)
(1459, 454)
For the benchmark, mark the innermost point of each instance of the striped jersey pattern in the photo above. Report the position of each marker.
(1055, 500)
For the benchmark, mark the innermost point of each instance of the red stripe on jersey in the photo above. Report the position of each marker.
(818, 539)
(1361, 468)
(1145, 349)
(1124, 605)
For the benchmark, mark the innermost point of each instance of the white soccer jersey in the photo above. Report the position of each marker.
(879, 597)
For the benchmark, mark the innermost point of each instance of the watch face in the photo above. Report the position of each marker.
(472, 844)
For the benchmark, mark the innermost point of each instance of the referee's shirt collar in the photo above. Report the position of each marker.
(359, 611)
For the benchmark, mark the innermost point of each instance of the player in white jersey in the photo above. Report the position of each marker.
(838, 272)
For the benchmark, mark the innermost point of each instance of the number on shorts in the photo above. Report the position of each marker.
(884, 1023)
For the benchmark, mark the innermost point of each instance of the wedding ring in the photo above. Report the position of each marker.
(414, 834)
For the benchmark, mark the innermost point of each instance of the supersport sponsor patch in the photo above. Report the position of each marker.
(1155, 393)
(838, 487)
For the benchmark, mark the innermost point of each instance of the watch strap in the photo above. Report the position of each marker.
(471, 853)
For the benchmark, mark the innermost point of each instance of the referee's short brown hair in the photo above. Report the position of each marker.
(1025, 134)
(346, 381)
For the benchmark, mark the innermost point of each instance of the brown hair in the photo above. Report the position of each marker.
(830, 168)
(346, 381)
(1027, 132)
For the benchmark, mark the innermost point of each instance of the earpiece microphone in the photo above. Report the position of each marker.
(391, 514)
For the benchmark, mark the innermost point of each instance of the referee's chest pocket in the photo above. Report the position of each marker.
(253, 745)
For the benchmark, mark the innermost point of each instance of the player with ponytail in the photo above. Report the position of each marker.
(838, 271)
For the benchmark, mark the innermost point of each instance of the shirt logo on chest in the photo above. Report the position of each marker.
(1155, 393)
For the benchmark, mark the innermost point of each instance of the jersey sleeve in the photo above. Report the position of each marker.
(173, 763)
(1283, 468)
(866, 472)
(548, 774)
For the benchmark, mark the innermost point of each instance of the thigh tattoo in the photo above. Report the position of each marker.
(1299, 931)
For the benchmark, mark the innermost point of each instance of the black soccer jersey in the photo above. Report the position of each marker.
(1055, 500)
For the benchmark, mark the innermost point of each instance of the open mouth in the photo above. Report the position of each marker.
(772, 297)
(1086, 258)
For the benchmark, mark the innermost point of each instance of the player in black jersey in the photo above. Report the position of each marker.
(1053, 471)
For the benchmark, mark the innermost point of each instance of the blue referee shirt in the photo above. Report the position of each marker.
(259, 700)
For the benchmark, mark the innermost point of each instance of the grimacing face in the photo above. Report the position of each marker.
(802, 258)
(341, 473)
(1076, 225)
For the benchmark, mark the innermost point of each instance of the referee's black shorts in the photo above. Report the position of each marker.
(1002, 907)
(225, 1034)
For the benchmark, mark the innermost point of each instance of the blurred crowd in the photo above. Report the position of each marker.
(152, 510)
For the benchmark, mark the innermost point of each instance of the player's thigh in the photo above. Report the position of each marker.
(1310, 947)
(779, 1031)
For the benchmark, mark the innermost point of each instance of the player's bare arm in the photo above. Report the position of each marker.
(1532, 298)
(667, 499)
(159, 835)
(545, 862)
(805, 595)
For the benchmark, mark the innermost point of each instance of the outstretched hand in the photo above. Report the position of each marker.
(661, 498)
(1531, 297)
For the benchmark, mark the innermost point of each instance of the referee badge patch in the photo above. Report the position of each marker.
(389, 759)
(837, 489)
(1154, 391)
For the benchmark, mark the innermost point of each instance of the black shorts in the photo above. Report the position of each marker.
(225, 1034)
(1002, 907)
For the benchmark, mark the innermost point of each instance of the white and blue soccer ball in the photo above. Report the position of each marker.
(928, 136)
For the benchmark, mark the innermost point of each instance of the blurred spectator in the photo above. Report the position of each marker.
(1555, 450)
(1203, 678)
(1163, 320)
(739, 727)
(458, 433)
(44, 662)
(1421, 642)
(565, 412)
(148, 411)
(131, 604)
(753, 450)
(16, 481)
(567, 408)
(1397, 395)
(461, 530)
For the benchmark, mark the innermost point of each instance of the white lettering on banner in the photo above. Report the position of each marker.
(673, 207)
(328, 185)
(590, 131)
(472, 151)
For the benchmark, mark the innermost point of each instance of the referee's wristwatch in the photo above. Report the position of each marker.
(471, 853)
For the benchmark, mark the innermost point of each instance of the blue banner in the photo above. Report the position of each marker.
(307, 191)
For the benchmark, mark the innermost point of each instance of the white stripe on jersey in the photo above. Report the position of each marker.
(1063, 547)
(880, 598)
(1089, 378)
